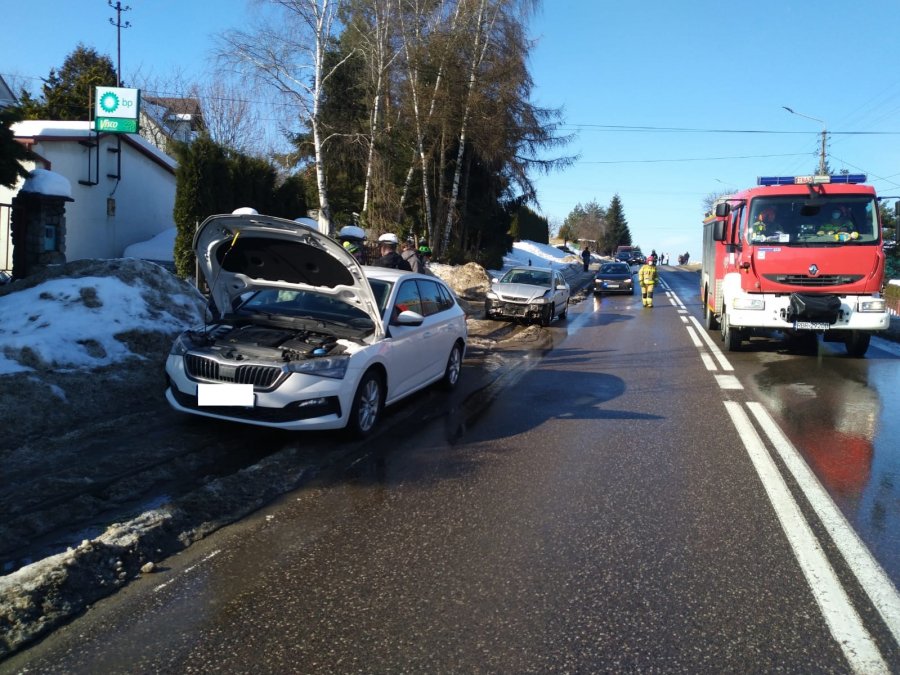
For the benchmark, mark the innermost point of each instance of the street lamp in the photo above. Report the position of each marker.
(824, 136)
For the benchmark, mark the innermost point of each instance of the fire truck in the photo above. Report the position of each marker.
(796, 254)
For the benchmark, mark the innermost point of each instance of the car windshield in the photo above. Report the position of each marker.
(615, 268)
(822, 221)
(527, 276)
(293, 304)
(382, 291)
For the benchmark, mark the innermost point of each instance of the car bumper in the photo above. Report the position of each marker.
(498, 309)
(299, 402)
(775, 305)
(613, 287)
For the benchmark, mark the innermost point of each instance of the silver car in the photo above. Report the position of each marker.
(528, 293)
(305, 337)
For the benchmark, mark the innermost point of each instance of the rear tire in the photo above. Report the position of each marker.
(857, 343)
(709, 317)
(367, 405)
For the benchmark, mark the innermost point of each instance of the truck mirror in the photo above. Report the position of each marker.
(723, 209)
(719, 230)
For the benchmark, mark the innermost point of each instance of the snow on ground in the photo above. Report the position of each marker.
(72, 322)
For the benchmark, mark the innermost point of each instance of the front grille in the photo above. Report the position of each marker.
(817, 281)
(210, 370)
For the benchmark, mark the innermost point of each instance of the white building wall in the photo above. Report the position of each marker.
(144, 197)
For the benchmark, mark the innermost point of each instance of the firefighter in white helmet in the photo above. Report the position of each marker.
(647, 278)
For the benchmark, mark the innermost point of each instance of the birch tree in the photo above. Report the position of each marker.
(287, 53)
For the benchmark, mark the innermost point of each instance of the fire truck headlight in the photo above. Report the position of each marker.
(873, 305)
(748, 303)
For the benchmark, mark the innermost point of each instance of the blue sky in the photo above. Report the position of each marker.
(702, 66)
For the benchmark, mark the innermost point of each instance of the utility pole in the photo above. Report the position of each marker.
(824, 136)
(119, 26)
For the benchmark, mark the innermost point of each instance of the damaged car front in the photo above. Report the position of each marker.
(529, 294)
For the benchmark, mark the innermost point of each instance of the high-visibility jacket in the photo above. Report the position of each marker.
(648, 275)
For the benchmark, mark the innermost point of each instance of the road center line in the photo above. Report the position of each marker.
(713, 347)
(841, 617)
(871, 576)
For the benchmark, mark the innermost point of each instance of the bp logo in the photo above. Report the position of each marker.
(109, 102)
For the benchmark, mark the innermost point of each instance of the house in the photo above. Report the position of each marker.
(7, 98)
(164, 120)
(123, 187)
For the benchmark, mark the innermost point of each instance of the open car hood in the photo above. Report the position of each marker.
(242, 253)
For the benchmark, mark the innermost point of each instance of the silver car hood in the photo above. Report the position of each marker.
(520, 292)
(242, 253)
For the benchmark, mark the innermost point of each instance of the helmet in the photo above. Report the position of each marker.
(388, 238)
(424, 250)
(351, 247)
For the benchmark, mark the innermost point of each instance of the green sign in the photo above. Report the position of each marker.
(112, 125)
(116, 110)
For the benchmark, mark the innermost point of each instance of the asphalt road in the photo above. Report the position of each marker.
(614, 506)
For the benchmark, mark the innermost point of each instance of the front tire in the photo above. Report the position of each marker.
(367, 405)
(857, 343)
(454, 366)
(565, 313)
(547, 316)
(732, 337)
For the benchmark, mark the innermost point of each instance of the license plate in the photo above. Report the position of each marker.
(811, 325)
(612, 285)
(225, 394)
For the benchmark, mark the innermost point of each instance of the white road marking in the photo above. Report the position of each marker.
(871, 576)
(842, 619)
(708, 361)
(694, 338)
(188, 570)
(713, 347)
(728, 382)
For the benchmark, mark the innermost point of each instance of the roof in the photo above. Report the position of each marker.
(53, 130)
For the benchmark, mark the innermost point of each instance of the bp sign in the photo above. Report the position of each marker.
(116, 110)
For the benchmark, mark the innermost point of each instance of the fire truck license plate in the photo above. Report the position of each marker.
(811, 325)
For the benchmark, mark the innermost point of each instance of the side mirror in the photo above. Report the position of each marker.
(722, 210)
(719, 230)
(408, 318)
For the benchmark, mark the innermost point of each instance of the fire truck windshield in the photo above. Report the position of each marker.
(826, 220)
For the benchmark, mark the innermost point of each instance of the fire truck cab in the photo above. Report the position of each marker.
(797, 254)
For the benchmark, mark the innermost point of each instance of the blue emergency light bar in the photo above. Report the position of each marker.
(811, 180)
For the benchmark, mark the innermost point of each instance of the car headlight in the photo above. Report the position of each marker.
(490, 295)
(872, 305)
(332, 366)
(748, 303)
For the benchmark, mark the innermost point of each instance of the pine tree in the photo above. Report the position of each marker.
(618, 233)
(67, 94)
(12, 153)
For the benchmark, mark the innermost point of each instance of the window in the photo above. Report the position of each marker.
(408, 298)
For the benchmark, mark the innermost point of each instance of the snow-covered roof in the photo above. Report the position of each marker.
(44, 182)
(59, 130)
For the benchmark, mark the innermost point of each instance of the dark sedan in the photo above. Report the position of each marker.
(614, 277)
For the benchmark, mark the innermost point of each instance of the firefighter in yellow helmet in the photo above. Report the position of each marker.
(647, 278)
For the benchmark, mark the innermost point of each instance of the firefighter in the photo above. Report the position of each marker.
(647, 277)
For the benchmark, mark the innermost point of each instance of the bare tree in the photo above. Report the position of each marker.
(287, 53)
(231, 119)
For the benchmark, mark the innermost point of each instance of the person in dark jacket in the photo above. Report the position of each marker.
(586, 257)
(389, 256)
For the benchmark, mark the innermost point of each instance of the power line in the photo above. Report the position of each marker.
(685, 159)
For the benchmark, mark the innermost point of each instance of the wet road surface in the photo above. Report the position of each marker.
(602, 512)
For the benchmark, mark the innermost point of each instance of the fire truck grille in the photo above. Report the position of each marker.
(209, 370)
(820, 281)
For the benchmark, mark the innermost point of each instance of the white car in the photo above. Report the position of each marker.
(306, 337)
(528, 293)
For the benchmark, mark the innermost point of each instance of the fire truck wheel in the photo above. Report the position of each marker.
(732, 337)
(709, 317)
(857, 343)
